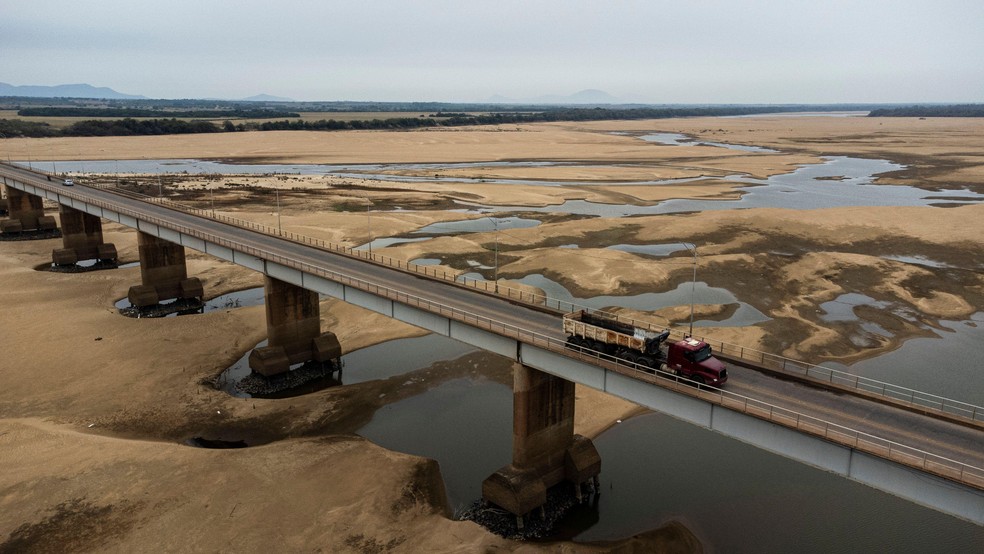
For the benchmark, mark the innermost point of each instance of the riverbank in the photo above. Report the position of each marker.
(98, 419)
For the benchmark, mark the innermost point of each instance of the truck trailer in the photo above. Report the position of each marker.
(689, 357)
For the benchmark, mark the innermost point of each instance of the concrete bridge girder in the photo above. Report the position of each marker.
(163, 273)
(545, 449)
(293, 318)
(25, 212)
(82, 238)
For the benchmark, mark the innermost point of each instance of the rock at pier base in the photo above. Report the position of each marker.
(540, 524)
(517, 490)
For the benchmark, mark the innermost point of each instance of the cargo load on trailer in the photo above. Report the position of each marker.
(689, 357)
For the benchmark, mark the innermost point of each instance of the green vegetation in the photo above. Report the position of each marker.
(56, 111)
(127, 127)
(11, 128)
(554, 114)
(955, 110)
(436, 118)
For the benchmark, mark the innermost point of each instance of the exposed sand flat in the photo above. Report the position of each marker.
(95, 418)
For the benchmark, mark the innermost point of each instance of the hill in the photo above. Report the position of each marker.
(82, 90)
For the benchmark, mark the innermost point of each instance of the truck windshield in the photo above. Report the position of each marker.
(702, 354)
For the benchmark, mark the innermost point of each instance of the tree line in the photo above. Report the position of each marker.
(10, 128)
(956, 110)
(61, 111)
(129, 126)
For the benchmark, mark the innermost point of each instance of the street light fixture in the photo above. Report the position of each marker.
(692, 248)
(276, 190)
(495, 275)
(369, 223)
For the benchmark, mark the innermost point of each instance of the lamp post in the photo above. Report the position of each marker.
(369, 223)
(276, 190)
(495, 275)
(692, 248)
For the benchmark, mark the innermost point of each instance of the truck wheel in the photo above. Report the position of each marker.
(699, 380)
(646, 362)
(631, 358)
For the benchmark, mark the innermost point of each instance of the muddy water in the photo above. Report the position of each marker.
(381, 361)
(237, 299)
(948, 364)
(481, 225)
(837, 181)
(559, 297)
(441, 424)
(735, 497)
(738, 498)
(677, 139)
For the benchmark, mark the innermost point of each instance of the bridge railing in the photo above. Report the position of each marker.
(754, 357)
(884, 448)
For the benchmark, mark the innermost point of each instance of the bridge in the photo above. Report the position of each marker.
(915, 445)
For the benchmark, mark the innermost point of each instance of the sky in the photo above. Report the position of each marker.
(680, 51)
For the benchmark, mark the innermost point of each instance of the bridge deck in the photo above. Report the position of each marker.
(789, 402)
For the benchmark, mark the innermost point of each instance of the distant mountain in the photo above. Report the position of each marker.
(81, 90)
(588, 96)
(267, 98)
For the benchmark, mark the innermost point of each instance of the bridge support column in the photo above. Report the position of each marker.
(163, 274)
(293, 317)
(82, 239)
(26, 213)
(545, 449)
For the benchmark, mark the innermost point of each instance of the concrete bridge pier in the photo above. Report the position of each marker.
(82, 239)
(163, 274)
(293, 317)
(545, 449)
(26, 213)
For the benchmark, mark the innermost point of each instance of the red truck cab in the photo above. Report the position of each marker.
(691, 358)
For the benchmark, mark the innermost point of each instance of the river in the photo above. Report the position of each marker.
(735, 497)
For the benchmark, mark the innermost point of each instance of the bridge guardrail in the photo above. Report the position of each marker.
(773, 362)
(906, 455)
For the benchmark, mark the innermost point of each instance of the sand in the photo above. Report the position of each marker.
(95, 407)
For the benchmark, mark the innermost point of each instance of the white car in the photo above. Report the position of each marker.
(68, 182)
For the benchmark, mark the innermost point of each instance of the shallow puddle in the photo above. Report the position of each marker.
(842, 308)
(677, 139)
(481, 225)
(232, 300)
(380, 361)
(650, 301)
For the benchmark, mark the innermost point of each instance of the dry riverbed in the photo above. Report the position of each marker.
(95, 407)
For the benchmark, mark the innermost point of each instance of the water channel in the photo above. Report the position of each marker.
(735, 497)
